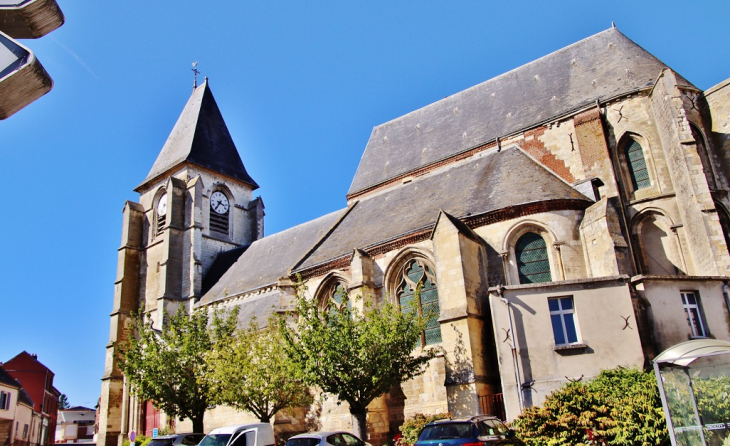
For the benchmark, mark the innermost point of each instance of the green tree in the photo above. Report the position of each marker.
(355, 356)
(63, 402)
(252, 372)
(168, 367)
(621, 406)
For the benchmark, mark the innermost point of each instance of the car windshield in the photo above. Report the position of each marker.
(446, 431)
(192, 440)
(215, 440)
(491, 427)
(161, 442)
(302, 442)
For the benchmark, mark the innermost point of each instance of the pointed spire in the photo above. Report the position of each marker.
(200, 136)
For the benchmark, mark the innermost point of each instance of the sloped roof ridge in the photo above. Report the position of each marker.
(467, 190)
(289, 245)
(500, 76)
(299, 226)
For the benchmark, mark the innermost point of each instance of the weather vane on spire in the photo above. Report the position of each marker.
(195, 74)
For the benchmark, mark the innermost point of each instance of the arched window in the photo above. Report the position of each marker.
(333, 296)
(636, 164)
(161, 212)
(533, 264)
(660, 253)
(704, 156)
(415, 273)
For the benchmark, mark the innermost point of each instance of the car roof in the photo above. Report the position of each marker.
(465, 420)
(320, 434)
(232, 429)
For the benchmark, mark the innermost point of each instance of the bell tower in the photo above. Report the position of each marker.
(195, 203)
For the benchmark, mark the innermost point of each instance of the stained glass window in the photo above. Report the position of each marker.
(532, 259)
(637, 166)
(416, 273)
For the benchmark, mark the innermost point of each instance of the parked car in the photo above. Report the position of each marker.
(177, 440)
(255, 434)
(334, 438)
(474, 431)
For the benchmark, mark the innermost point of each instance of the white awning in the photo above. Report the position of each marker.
(685, 353)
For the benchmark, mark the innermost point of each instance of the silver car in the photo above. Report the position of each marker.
(333, 438)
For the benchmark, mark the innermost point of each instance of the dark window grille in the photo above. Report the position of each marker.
(532, 259)
(637, 166)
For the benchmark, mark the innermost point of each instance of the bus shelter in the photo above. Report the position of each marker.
(694, 384)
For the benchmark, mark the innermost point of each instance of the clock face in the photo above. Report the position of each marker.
(219, 202)
(162, 205)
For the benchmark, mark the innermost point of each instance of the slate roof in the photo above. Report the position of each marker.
(270, 258)
(487, 183)
(221, 264)
(24, 398)
(603, 66)
(200, 136)
(8, 380)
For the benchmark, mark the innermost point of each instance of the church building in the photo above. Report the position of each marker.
(568, 216)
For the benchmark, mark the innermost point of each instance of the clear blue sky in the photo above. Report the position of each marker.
(300, 84)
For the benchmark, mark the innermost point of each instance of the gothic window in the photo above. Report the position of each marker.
(334, 296)
(636, 164)
(219, 212)
(533, 264)
(415, 273)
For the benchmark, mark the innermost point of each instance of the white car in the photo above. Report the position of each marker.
(333, 438)
(256, 434)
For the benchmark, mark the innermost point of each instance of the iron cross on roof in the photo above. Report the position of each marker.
(195, 74)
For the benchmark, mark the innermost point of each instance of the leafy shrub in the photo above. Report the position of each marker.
(141, 440)
(621, 406)
(412, 426)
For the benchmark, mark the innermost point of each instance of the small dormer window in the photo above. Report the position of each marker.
(219, 213)
(161, 212)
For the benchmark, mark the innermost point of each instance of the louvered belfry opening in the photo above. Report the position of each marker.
(219, 222)
(414, 274)
(532, 259)
(161, 220)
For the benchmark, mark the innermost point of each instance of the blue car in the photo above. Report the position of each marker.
(481, 430)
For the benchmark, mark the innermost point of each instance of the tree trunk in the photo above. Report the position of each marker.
(360, 424)
(198, 423)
